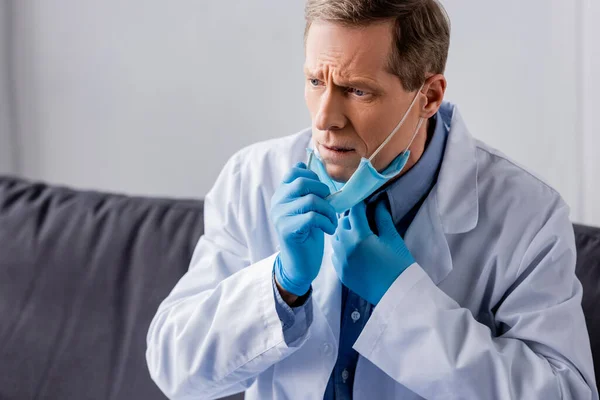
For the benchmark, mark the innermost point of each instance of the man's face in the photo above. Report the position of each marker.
(353, 98)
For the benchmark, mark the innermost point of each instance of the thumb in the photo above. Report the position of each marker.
(384, 222)
(358, 219)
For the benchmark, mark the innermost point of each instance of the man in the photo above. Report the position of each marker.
(441, 272)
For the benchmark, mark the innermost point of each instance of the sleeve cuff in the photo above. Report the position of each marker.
(294, 321)
(284, 311)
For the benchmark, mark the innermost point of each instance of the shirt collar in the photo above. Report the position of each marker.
(406, 192)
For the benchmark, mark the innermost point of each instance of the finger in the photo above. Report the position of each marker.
(303, 186)
(384, 221)
(344, 223)
(299, 171)
(343, 236)
(358, 219)
(310, 203)
(299, 226)
(314, 220)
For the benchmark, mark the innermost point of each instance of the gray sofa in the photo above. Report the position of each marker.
(82, 273)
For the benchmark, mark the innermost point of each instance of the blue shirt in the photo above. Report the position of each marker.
(403, 198)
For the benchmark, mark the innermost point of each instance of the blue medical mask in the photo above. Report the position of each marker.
(366, 180)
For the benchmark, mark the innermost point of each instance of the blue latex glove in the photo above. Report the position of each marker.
(366, 263)
(301, 216)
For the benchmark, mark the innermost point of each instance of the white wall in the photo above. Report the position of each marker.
(7, 160)
(514, 71)
(590, 103)
(152, 97)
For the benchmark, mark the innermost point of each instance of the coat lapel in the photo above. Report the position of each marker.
(427, 242)
(328, 291)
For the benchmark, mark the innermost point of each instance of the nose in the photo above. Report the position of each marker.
(330, 115)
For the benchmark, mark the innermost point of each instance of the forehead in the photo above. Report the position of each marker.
(350, 50)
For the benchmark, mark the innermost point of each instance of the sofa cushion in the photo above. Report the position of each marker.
(81, 276)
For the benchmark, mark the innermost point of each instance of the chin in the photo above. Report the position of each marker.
(339, 173)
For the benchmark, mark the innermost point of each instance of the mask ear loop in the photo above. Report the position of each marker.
(414, 134)
(391, 135)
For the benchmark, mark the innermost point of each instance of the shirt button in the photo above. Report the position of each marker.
(326, 349)
(345, 375)
(355, 315)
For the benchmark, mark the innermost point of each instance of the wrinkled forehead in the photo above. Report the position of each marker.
(348, 51)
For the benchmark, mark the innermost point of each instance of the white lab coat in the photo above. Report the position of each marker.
(491, 309)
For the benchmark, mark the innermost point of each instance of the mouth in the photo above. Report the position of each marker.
(338, 149)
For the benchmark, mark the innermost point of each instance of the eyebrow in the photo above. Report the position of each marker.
(348, 82)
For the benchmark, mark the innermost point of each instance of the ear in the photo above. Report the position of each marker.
(434, 90)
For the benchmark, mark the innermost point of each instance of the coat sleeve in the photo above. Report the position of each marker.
(424, 340)
(218, 328)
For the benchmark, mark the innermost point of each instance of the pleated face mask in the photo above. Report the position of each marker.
(366, 180)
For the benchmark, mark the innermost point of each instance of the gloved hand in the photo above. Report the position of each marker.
(301, 216)
(366, 263)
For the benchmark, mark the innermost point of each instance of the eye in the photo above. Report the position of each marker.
(314, 82)
(357, 92)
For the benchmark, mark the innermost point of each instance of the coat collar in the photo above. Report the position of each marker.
(453, 204)
(456, 191)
